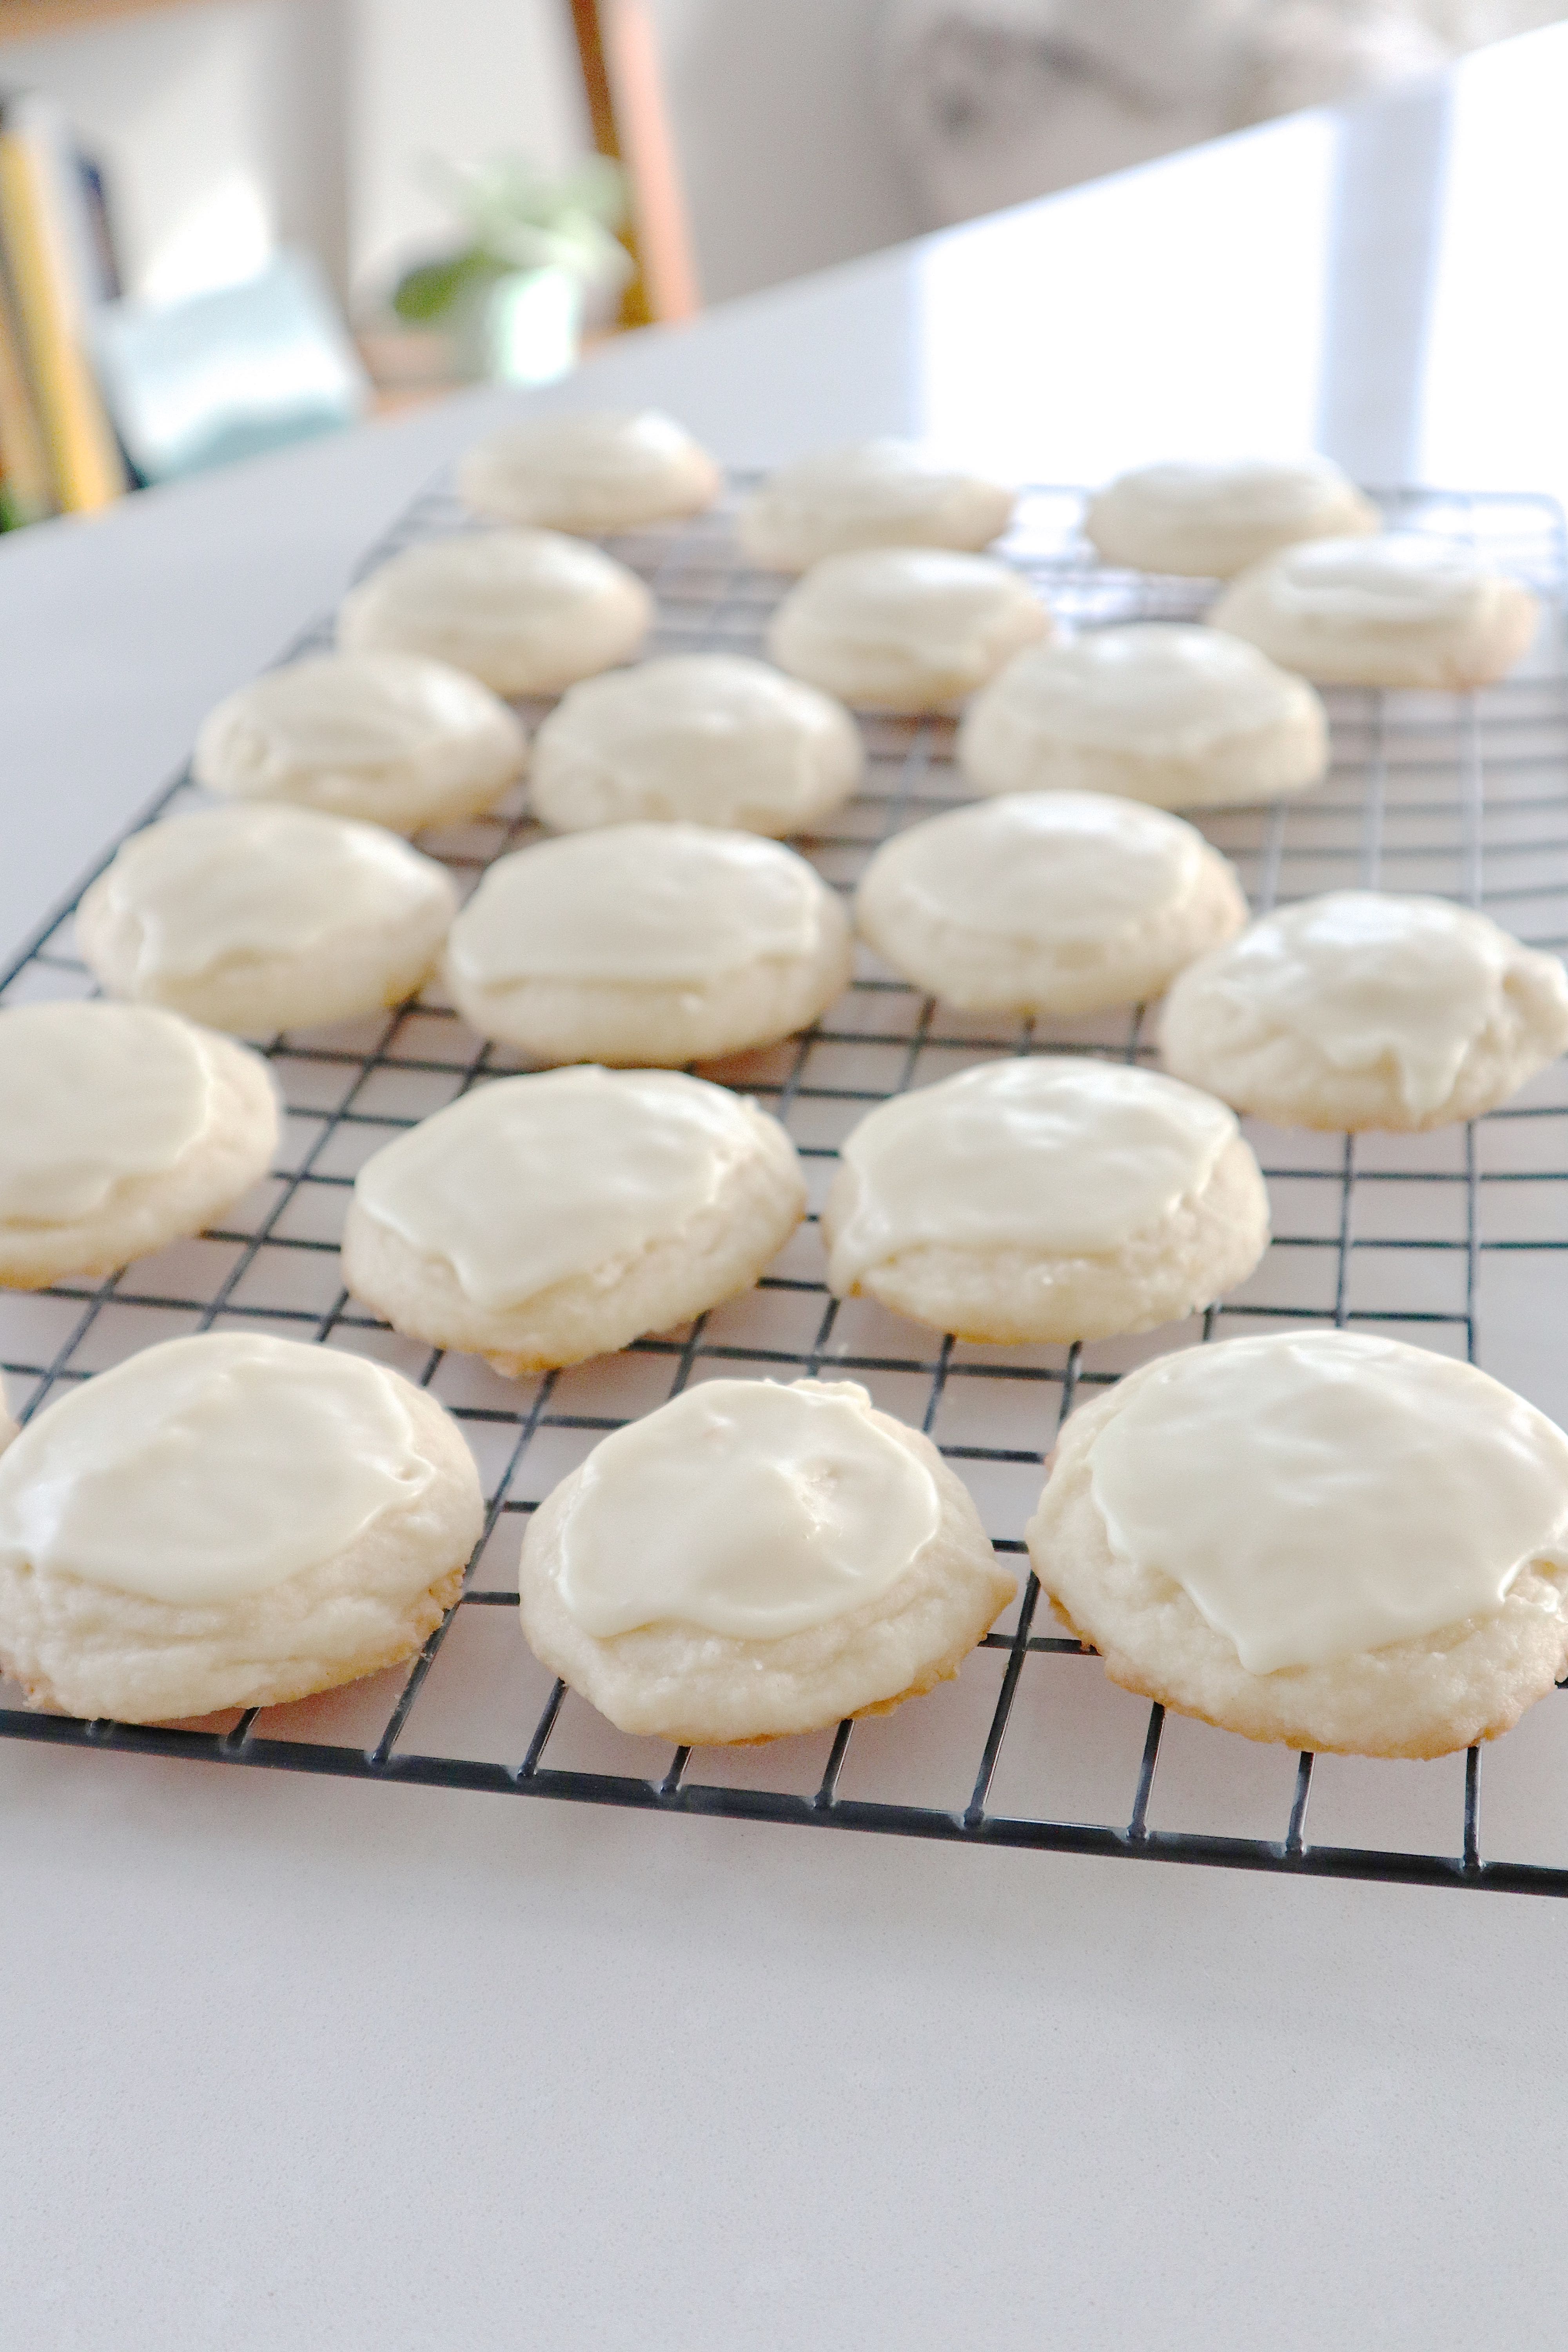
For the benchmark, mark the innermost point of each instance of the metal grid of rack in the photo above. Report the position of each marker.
(1453, 1240)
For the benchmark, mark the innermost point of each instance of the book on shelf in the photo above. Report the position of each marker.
(27, 485)
(53, 284)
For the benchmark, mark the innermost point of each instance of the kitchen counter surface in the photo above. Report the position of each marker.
(295, 2062)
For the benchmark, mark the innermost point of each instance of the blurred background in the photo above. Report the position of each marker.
(225, 224)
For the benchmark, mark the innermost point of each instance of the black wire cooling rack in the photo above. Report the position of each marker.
(1453, 1240)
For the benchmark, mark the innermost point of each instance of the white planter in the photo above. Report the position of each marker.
(528, 329)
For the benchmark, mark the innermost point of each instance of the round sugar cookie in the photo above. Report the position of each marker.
(1048, 1198)
(259, 917)
(590, 473)
(753, 1560)
(905, 629)
(1397, 610)
(527, 612)
(880, 493)
(541, 1220)
(1047, 902)
(228, 1521)
(647, 944)
(1320, 1538)
(389, 737)
(1210, 521)
(1361, 1010)
(121, 1129)
(696, 738)
(1181, 717)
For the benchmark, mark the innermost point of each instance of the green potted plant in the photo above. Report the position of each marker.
(537, 252)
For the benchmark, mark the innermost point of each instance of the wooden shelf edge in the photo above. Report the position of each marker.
(31, 20)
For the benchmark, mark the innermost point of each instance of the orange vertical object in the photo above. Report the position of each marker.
(618, 53)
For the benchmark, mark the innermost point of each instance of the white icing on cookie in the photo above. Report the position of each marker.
(922, 602)
(745, 1508)
(527, 611)
(1215, 519)
(262, 879)
(360, 717)
(1057, 866)
(662, 903)
(1275, 492)
(1398, 579)
(589, 469)
(1068, 1157)
(530, 1181)
(878, 493)
(1326, 1494)
(1152, 686)
(92, 1095)
(708, 737)
(209, 1469)
(1365, 978)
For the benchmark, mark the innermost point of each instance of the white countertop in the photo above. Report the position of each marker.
(294, 2062)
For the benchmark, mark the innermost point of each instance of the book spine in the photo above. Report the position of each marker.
(25, 478)
(84, 459)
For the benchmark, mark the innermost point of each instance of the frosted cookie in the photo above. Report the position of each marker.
(699, 739)
(1047, 902)
(231, 1520)
(753, 1560)
(528, 612)
(1183, 718)
(1335, 1542)
(1398, 610)
(647, 944)
(1211, 521)
(1045, 1199)
(264, 918)
(541, 1220)
(906, 629)
(872, 494)
(390, 738)
(1358, 1010)
(121, 1129)
(592, 473)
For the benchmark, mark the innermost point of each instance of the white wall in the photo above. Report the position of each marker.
(225, 129)
(783, 149)
(460, 78)
(219, 130)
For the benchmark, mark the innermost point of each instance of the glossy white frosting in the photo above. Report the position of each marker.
(209, 1469)
(1057, 866)
(1391, 579)
(1150, 686)
(585, 450)
(355, 715)
(1067, 1156)
(849, 496)
(1245, 490)
(262, 879)
(528, 611)
(527, 1182)
(745, 1508)
(1320, 1495)
(708, 735)
(92, 1095)
(662, 903)
(487, 580)
(928, 603)
(1365, 978)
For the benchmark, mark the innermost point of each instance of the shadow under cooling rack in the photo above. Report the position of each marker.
(1453, 1240)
